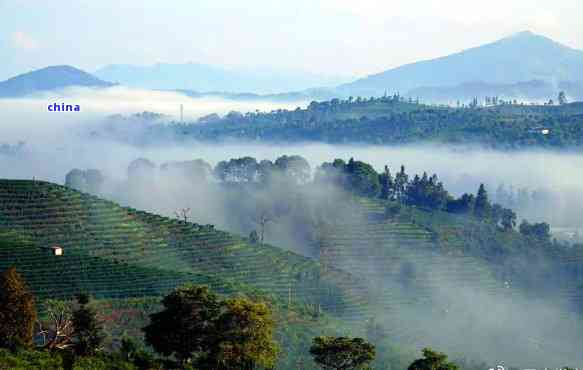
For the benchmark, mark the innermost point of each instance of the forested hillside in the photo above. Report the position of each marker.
(390, 120)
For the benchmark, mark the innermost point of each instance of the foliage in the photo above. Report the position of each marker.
(185, 327)
(199, 329)
(17, 311)
(342, 353)
(432, 361)
(245, 332)
(29, 360)
(57, 332)
(482, 205)
(87, 330)
(541, 231)
(390, 120)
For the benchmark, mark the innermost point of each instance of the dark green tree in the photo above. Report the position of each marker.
(87, 330)
(362, 178)
(482, 206)
(17, 311)
(508, 219)
(186, 327)
(254, 237)
(432, 361)
(387, 184)
(463, 205)
(562, 99)
(541, 231)
(341, 353)
(401, 182)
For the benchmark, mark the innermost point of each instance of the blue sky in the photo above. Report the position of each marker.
(333, 37)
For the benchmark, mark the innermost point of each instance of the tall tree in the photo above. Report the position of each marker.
(87, 330)
(245, 331)
(482, 205)
(401, 182)
(17, 311)
(185, 328)
(341, 353)
(387, 184)
(562, 98)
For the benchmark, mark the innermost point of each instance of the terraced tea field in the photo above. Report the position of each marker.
(114, 252)
(407, 267)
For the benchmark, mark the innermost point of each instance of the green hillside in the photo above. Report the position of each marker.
(390, 120)
(116, 252)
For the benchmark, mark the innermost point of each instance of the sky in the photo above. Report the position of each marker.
(329, 37)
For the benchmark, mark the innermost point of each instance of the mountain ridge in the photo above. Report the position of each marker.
(524, 56)
(47, 79)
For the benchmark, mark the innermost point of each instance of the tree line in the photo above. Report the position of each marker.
(195, 329)
(356, 177)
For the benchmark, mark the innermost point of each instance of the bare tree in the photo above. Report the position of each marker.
(183, 214)
(59, 328)
(263, 216)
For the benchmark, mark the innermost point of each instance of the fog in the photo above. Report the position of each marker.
(476, 317)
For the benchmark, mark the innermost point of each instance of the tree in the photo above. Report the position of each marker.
(508, 219)
(192, 171)
(401, 182)
(294, 168)
(89, 181)
(482, 205)
(253, 237)
(387, 184)
(432, 361)
(243, 169)
(141, 169)
(75, 179)
(87, 330)
(541, 231)
(58, 332)
(463, 205)
(263, 215)
(94, 180)
(245, 336)
(341, 353)
(185, 327)
(562, 99)
(362, 178)
(17, 311)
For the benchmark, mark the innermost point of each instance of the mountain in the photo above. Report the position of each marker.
(49, 78)
(207, 78)
(519, 58)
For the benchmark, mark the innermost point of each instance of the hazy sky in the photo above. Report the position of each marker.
(336, 37)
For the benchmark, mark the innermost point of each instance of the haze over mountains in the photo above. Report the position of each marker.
(520, 58)
(524, 66)
(208, 78)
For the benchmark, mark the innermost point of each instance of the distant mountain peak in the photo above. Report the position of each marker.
(521, 57)
(49, 78)
(526, 33)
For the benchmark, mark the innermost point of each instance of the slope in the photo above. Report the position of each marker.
(521, 57)
(112, 251)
